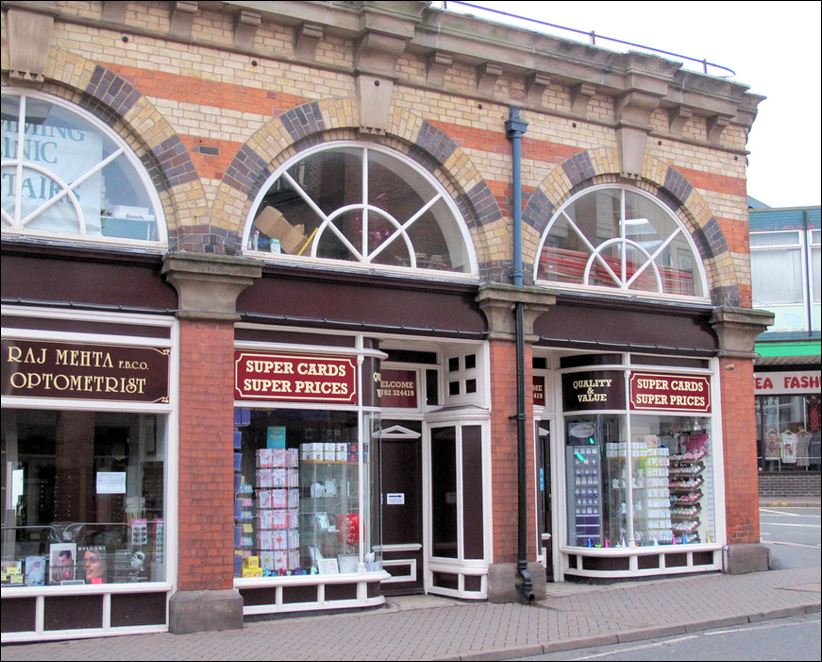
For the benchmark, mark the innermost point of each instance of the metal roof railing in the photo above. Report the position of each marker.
(592, 35)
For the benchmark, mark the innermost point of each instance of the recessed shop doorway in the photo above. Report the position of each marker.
(544, 496)
(402, 505)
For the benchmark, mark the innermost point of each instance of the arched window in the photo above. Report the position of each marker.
(360, 204)
(616, 239)
(64, 173)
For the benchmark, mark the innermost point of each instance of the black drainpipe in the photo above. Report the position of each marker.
(514, 129)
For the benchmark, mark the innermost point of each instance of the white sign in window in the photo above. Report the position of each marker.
(111, 482)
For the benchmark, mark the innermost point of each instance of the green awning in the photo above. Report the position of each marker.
(792, 348)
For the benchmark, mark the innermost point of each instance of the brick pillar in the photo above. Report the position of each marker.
(206, 457)
(207, 287)
(739, 435)
(504, 484)
(736, 329)
(498, 302)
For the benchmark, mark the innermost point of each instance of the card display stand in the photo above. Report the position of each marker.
(329, 518)
(685, 485)
(585, 504)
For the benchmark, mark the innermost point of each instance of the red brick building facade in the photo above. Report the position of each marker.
(306, 209)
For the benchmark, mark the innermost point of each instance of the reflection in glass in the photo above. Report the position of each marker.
(359, 204)
(86, 490)
(444, 492)
(617, 238)
(596, 481)
(297, 493)
(672, 480)
(74, 178)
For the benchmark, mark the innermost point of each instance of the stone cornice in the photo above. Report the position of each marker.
(382, 31)
(521, 52)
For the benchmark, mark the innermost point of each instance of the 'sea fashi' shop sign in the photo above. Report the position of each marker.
(44, 369)
(686, 393)
(787, 383)
(295, 377)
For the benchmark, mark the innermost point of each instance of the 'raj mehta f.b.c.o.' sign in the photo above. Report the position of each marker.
(295, 377)
(687, 393)
(45, 369)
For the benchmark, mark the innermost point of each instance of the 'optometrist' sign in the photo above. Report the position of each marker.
(687, 393)
(45, 369)
(295, 377)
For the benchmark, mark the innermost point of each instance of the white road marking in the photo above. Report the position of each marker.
(636, 648)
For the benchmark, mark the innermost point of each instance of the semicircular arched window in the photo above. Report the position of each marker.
(66, 174)
(363, 205)
(621, 240)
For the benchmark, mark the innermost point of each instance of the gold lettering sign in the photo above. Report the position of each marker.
(45, 369)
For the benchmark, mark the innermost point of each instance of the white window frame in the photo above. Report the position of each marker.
(14, 226)
(622, 284)
(171, 460)
(804, 243)
(364, 261)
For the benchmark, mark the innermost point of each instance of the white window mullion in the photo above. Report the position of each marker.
(622, 215)
(68, 189)
(364, 230)
(18, 185)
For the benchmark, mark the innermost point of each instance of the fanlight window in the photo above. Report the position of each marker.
(363, 205)
(622, 240)
(65, 174)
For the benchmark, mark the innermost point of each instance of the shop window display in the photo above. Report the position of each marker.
(298, 494)
(788, 433)
(654, 488)
(85, 498)
(360, 204)
(66, 174)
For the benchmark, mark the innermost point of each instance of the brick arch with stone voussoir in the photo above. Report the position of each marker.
(661, 180)
(314, 123)
(118, 103)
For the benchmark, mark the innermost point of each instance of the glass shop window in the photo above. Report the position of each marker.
(84, 497)
(617, 239)
(298, 496)
(66, 174)
(364, 205)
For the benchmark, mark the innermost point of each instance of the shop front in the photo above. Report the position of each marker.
(788, 430)
(88, 450)
(352, 478)
(637, 465)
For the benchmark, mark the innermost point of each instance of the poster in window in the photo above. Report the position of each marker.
(62, 561)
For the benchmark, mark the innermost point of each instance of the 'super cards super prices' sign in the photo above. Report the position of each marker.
(295, 377)
(687, 393)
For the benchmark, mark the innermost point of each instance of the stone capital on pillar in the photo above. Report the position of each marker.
(208, 285)
(497, 302)
(737, 329)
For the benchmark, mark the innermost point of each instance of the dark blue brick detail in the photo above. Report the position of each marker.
(112, 90)
(435, 142)
(174, 161)
(479, 206)
(247, 172)
(727, 296)
(538, 211)
(709, 240)
(578, 168)
(303, 120)
(677, 186)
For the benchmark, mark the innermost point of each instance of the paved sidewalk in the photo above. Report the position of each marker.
(424, 627)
